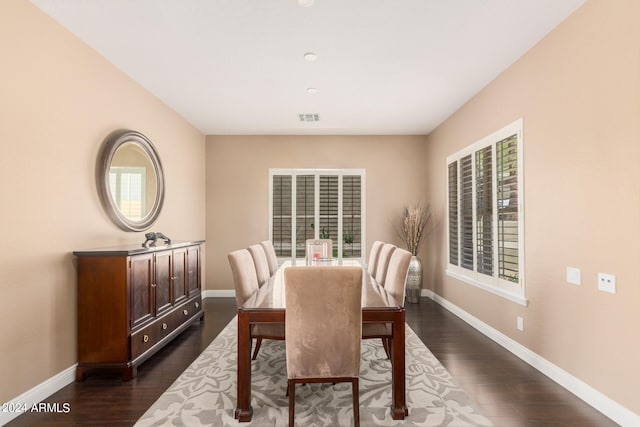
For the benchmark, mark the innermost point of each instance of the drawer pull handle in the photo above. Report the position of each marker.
(185, 312)
(164, 326)
(145, 338)
(197, 305)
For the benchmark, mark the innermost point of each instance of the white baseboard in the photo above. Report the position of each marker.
(219, 293)
(593, 397)
(38, 393)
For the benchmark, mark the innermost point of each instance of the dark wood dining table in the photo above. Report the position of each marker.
(267, 305)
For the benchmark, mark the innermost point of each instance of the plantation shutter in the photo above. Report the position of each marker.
(453, 213)
(305, 211)
(484, 211)
(351, 216)
(281, 216)
(466, 212)
(329, 208)
(325, 204)
(507, 194)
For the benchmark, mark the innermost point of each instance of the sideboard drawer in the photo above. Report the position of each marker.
(143, 340)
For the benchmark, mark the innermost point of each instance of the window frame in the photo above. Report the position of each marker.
(340, 173)
(507, 289)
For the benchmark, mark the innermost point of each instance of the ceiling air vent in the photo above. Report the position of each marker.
(309, 118)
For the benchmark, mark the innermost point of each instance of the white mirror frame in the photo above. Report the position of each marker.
(107, 151)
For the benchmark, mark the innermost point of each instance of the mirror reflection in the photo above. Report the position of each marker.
(130, 180)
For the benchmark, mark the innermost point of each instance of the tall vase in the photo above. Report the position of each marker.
(414, 280)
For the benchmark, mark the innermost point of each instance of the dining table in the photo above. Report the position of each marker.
(267, 305)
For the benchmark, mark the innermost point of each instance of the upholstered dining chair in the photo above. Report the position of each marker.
(383, 262)
(395, 285)
(261, 264)
(323, 325)
(272, 258)
(246, 284)
(373, 256)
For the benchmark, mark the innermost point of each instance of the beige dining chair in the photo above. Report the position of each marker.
(246, 284)
(395, 285)
(383, 262)
(272, 258)
(323, 325)
(373, 256)
(318, 249)
(261, 264)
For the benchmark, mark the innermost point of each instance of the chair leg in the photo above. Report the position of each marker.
(255, 352)
(356, 402)
(291, 388)
(385, 344)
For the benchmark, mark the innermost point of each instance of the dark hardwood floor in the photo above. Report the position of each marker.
(505, 389)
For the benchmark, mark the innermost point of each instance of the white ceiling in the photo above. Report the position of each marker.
(384, 66)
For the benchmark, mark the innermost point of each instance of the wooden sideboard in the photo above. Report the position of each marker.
(132, 301)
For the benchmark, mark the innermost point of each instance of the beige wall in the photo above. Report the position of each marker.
(238, 184)
(59, 100)
(578, 92)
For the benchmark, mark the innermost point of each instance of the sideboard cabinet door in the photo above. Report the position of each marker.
(193, 270)
(141, 289)
(178, 275)
(162, 273)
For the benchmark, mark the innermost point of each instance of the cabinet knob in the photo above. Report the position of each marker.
(197, 305)
(145, 338)
(153, 285)
(164, 326)
(174, 277)
(185, 312)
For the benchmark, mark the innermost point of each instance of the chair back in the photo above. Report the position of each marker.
(244, 275)
(261, 264)
(323, 321)
(383, 262)
(272, 258)
(318, 249)
(373, 257)
(396, 279)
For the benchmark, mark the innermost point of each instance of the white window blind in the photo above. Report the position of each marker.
(485, 215)
(317, 204)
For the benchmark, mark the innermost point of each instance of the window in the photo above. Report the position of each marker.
(127, 185)
(317, 204)
(485, 216)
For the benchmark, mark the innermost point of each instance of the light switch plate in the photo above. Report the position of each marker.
(573, 276)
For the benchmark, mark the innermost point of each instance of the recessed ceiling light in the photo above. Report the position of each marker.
(312, 90)
(310, 56)
(305, 3)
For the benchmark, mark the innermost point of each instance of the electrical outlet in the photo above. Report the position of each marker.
(573, 276)
(607, 283)
(520, 323)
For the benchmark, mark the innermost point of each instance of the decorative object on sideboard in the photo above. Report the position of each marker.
(130, 180)
(153, 238)
(412, 228)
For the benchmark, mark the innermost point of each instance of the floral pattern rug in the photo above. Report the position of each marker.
(205, 393)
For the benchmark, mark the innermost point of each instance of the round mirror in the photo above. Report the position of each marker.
(130, 180)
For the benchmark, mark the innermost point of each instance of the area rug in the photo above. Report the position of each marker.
(205, 393)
